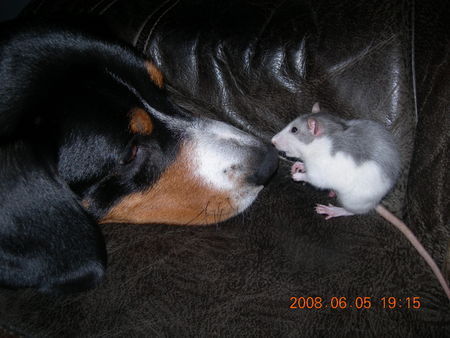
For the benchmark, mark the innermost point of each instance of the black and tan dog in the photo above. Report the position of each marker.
(87, 136)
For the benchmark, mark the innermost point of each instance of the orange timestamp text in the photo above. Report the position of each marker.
(359, 303)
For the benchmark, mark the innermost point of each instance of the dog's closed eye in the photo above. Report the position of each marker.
(130, 154)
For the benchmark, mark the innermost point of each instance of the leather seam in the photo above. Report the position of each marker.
(145, 23)
(156, 23)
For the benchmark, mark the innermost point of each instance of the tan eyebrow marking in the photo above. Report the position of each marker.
(140, 122)
(155, 74)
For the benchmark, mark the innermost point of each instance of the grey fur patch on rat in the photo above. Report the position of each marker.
(368, 140)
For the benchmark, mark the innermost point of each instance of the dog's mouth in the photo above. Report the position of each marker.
(233, 163)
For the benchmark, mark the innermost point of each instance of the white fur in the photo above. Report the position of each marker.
(288, 142)
(218, 158)
(359, 187)
(224, 132)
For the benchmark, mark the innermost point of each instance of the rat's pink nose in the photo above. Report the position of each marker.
(274, 141)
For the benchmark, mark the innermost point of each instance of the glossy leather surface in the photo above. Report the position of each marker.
(257, 65)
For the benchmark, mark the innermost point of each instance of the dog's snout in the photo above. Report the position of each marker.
(267, 166)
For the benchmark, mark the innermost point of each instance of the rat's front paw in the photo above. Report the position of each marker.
(297, 167)
(299, 177)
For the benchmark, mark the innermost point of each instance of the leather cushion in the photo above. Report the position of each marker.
(256, 65)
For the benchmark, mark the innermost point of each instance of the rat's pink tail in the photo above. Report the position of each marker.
(415, 242)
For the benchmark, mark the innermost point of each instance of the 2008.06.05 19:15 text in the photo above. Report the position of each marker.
(359, 303)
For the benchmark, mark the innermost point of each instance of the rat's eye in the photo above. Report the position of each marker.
(294, 130)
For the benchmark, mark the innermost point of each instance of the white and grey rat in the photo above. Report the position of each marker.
(356, 159)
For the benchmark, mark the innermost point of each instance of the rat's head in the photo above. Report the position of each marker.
(302, 131)
(293, 137)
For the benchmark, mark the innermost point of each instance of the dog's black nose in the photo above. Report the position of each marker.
(267, 166)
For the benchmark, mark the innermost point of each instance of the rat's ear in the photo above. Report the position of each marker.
(315, 108)
(314, 126)
(47, 240)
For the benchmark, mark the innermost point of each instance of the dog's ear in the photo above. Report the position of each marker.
(47, 240)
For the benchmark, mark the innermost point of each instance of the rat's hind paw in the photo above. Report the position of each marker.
(331, 211)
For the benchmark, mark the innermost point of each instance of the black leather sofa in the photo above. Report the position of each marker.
(257, 65)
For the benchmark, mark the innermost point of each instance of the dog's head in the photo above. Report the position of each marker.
(166, 166)
(88, 135)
